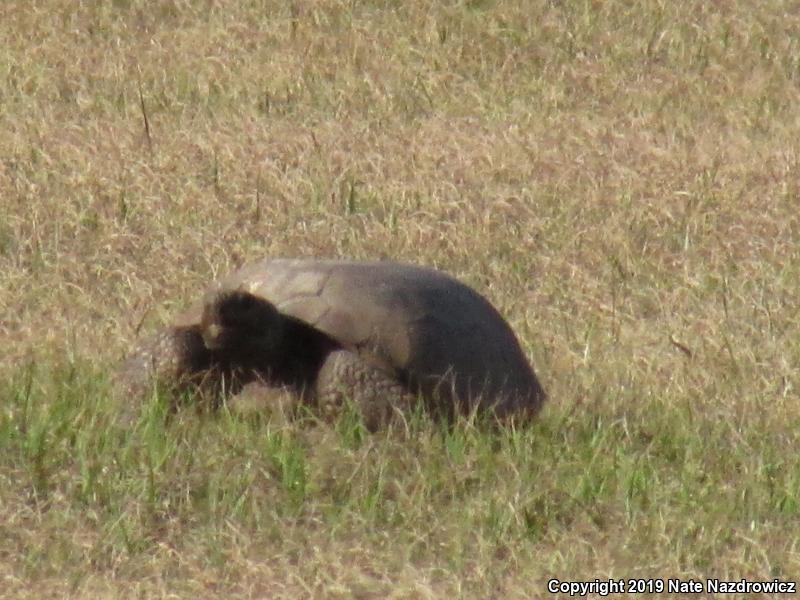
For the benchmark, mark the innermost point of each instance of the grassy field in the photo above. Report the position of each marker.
(621, 179)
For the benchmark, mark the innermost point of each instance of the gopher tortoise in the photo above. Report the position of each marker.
(381, 334)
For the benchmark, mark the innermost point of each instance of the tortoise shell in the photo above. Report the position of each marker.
(430, 331)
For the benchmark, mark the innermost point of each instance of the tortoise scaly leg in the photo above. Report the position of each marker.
(173, 359)
(279, 404)
(378, 396)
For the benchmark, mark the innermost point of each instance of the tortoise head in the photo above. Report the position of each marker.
(239, 322)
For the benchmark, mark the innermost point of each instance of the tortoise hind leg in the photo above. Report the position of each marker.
(377, 395)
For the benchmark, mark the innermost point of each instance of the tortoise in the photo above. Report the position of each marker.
(382, 334)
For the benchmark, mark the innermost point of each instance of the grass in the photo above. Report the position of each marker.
(620, 179)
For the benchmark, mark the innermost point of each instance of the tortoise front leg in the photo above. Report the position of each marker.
(378, 396)
(174, 359)
(278, 403)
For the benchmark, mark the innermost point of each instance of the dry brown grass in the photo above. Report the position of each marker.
(621, 179)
